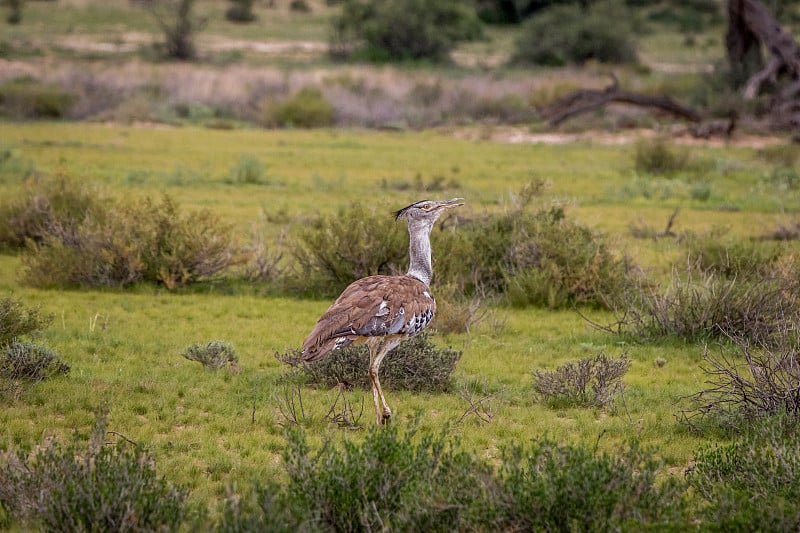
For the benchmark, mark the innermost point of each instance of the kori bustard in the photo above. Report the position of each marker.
(383, 311)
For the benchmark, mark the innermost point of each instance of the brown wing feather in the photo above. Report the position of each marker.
(375, 305)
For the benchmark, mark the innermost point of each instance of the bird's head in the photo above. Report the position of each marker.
(427, 209)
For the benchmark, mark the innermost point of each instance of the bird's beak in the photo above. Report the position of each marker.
(454, 202)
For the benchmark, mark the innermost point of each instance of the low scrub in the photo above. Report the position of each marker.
(530, 258)
(588, 382)
(28, 98)
(705, 306)
(416, 365)
(752, 484)
(748, 380)
(659, 157)
(306, 109)
(555, 487)
(336, 250)
(213, 355)
(125, 243)
(47, 207)
(746, 259)
(424, 483)
(17, 320)
(98, 487)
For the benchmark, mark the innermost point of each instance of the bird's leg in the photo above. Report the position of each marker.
(382, 410)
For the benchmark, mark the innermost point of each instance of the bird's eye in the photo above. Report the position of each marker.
(426, 207)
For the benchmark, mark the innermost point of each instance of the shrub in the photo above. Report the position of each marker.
(708, 308)
(554, 487)
(749, 380)
(240, 11)
(131, 242)
(416, 365)
(388, 481)
(658, 157)
(569, 34)
(335, 250)
(179, 25)
(17, 320)
(45, 208)
(29, 98)
(306, 109)
(92, 488)
(249, 170)
(214, 355)
(24, 361)
(752, 484)
(399, 30)
(745, 259)
(588, 382)
(532, 258)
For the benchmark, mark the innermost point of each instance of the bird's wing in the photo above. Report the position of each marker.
(372, 306)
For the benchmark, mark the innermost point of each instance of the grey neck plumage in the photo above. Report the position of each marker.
(419, 250)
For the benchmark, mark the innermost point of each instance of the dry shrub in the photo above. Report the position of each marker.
(707, 306)
(47, 207)
(659, 157)
(733, 257)
(416, 365)
(17, 320)
(308, 108)
(588, 382)
(749, 379)
(24, 364)
(29, 98)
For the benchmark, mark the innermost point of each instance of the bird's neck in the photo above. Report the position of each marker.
(419, 252)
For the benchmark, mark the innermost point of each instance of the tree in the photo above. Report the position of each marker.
(179, 25)
(392, 30)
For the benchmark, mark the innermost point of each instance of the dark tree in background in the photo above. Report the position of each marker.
(179, 25)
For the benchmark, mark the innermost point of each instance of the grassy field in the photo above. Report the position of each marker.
(210, 429)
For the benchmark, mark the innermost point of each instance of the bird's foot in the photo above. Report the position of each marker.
(385, 417)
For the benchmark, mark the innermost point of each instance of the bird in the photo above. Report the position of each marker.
(382, 311)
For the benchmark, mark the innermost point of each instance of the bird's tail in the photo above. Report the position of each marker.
(315, 352)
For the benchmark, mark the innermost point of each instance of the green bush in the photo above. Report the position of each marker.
(240, 11)
(335, 250)
(308, 108)
(388, 481)
(17, 320)
(28, 98)
(24, 361)
(588, 382)
(752, 484)
(249, 170)
(659, 157)
(131, 242)
(555, 487)
(90, 488)
(397, 30)
(570, 34)
(214, 355)
(530, 258)
(416, 365)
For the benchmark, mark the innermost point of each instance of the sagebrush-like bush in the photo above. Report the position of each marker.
(416, 365)
(555, 487)
(131, 242)
(531, 258)
(214, 355)
(97, 487)
(659, 157)
(752, 484)
(745, 259)
(588, 382)
(17, 320)
(571, 34)
(336, 250)
(708, 306)
(32, 363)
(308, 108)
(47, 207)
(390, 481)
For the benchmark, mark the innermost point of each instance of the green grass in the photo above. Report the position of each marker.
(125, 347)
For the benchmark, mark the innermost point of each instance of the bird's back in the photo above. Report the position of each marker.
(369, 307)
